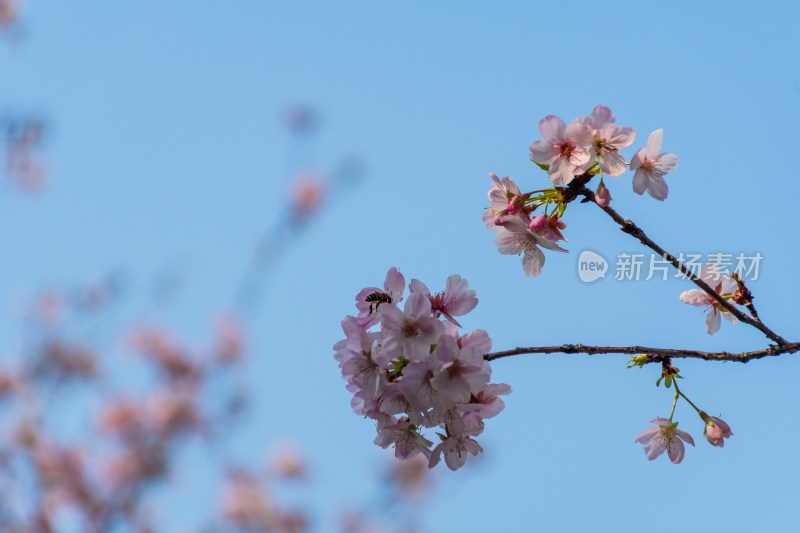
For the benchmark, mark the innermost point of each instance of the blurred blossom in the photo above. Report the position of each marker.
(300, 119)
(410, 478)
(47, 308)
(355, 522)
(122, 418)
(306, 194)
(22, 139)
(246, 506)
(66, 361)
(161, 350)
(8, 13)
(288, 464)
(61, 472)
(230, 340)
(172, 412)
(7, 384)
(135, 465)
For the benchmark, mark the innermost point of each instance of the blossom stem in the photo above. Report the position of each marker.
(635, 231)
(678, 391)
(674, 402)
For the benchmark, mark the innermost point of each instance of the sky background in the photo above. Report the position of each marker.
(167, 153)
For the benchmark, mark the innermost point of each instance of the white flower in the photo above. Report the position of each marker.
(517, 238)
(664, 436)
(563, 147)
(723, 285)
(650, 167)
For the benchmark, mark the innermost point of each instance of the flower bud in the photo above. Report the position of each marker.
(716, 431)
(602, 196)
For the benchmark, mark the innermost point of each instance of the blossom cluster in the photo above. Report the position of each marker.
(571, 150)
(586, 147)
(411, 369)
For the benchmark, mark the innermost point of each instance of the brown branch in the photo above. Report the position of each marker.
(635, 231)
(655, 353)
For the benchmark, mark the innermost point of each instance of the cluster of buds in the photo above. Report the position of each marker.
(411, 369)
(586, 147)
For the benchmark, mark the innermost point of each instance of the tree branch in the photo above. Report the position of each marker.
(635, 231)
(654, 353)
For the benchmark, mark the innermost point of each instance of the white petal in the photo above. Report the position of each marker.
(665, 163)
(695, 297)
(638, 159)
(622, 137)
(533, 261)
(547, 243)
(561, 172)
(509, 243)
(602, 116)
(730, 318)
(654, 143)
(684, 435)
(580, 133)
(657, 187)
(542, 152)
(552, 128)
(640, 180)
(611, 163)
(712, 322)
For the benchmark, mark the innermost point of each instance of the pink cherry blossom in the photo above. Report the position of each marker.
(455, 447)
(485, 404)
(723, 285)
(407, 441)
(716, 430)
(412, 331)
(370, 299)
(563, 147)
(461, 372)
(500, 193)
(517, 238)
(455, 300)
(665, 435)
(650, 167)
(607, 140)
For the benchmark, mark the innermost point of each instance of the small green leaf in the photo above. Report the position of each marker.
(543, 167)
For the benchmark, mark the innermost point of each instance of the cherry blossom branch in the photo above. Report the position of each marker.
(654, 354)
(635, 231)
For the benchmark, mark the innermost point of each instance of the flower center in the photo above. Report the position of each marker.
(566, 148)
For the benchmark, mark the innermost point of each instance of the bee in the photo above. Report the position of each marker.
(376, 299)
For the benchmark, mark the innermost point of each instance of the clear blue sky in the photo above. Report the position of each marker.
(166, 151)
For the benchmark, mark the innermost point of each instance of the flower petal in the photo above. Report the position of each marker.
(552, 128)
(712, 322)
(533, 261)
(657, 187)
(640, 180)
(654, 143)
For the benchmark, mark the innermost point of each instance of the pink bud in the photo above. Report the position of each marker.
(717, 430)
(602, 196)
(539, 223)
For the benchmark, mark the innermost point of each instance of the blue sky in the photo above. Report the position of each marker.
(166, 151)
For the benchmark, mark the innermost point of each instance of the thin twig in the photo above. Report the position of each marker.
(635, 231)
(655, 353)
